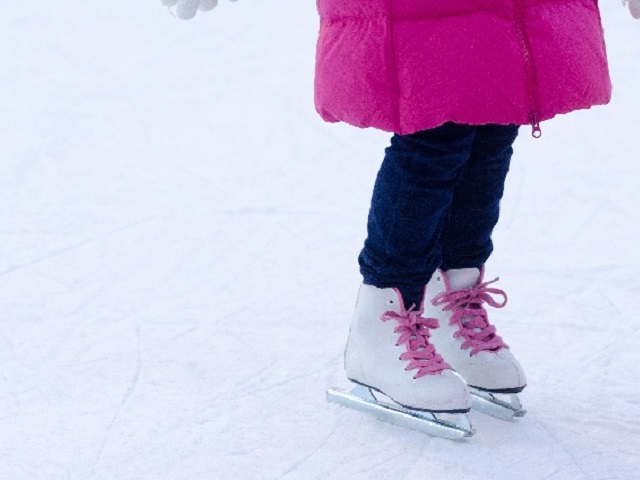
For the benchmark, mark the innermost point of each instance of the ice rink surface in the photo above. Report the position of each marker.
(178, 243)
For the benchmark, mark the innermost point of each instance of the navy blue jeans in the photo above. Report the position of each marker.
(435, 204)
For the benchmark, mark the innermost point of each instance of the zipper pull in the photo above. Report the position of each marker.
(536, 131)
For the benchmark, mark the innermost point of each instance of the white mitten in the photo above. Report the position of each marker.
(634, 8)
(187, 9)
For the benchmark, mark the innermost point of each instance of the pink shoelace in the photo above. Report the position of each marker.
(471, 317)
(414, 332)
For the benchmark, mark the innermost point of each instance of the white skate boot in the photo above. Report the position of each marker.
(470, 344)
(399, 375)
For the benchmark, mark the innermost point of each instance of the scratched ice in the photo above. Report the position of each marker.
(178, 238)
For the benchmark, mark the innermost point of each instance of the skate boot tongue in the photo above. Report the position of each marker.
(468, 312)
(462, 278)
(413, 330)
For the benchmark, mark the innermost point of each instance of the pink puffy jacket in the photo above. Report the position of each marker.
(409, 65)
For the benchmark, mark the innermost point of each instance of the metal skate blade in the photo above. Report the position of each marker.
(361, 399)
(488, 403)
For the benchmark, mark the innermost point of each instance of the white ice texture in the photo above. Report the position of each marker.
(179, 235)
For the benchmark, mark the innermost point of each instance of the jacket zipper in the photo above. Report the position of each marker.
(529, 67)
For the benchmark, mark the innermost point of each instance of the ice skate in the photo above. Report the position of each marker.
(469, 343)
(399, 376)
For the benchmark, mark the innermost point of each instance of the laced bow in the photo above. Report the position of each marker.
(471, 317)
(414, 332)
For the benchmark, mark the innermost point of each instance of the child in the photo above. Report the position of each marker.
(453, 81)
